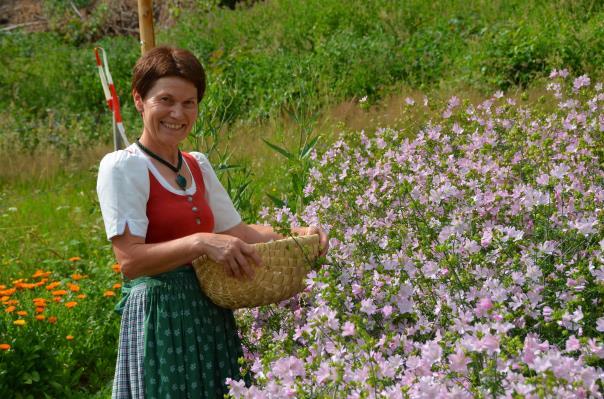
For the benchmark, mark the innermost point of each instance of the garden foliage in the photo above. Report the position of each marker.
(466, 260)
(290, 54)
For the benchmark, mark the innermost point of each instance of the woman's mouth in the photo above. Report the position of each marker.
(173, 126)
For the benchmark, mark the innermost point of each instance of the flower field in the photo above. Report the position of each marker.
(467, 259)
(58, 331)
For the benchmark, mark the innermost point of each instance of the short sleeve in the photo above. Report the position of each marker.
(225, 214)
(123, 191)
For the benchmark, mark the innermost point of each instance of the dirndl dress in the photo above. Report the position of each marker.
(174, 342)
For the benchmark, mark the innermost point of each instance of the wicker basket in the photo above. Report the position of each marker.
(285, 265)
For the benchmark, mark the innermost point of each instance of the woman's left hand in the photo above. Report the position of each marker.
(323, 239)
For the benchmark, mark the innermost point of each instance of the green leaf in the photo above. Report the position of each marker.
(278, 202)
(305, 152)
(280, 150)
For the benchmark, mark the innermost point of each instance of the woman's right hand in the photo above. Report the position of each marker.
(232, 253)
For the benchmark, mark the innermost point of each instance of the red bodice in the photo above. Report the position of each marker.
(174, 216)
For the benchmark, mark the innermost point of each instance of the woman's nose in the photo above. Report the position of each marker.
(177, 110)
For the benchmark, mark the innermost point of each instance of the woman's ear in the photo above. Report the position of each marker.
(138, 100)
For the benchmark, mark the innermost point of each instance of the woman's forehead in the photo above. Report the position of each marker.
(175, 86)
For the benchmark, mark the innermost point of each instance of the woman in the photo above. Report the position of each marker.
(162, 209)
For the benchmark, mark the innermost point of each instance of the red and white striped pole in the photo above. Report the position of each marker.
(119, 132)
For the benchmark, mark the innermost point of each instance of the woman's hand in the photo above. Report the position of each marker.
(323, 239)
(232, 253)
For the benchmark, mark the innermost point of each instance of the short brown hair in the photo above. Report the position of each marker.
(164, 61)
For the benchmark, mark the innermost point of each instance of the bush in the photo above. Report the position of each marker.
(465, 260)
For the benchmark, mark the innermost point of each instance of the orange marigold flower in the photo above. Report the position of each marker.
(39, 309)
(12, 302)
(40, 317)
(2, 286)
(10, 309)
(116, 267)
(58, 299)
(109, 293)
(69, 337)
(75, 259)
(52, 319)
(40, 273)
(73, 287)
(59, 292)
(4, 347)
(117, 286)
(22, 313)
(8, 292)
(4, 298)
(19, 322)
(81, 296)
(78, 276)
(71, 304)
(40, 301)
(52, 286)
(26, 286)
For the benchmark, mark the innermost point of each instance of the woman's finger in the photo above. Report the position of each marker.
(244, 266)
(249, 251)
(235, 268)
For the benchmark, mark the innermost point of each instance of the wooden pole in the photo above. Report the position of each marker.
(145, 25)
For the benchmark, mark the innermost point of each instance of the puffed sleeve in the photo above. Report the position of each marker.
(123, 190)
(225, 214)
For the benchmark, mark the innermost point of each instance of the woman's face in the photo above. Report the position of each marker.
(169, 110)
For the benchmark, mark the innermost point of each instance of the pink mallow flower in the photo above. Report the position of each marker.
(483, 306)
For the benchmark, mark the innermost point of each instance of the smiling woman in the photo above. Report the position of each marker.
(162, 209)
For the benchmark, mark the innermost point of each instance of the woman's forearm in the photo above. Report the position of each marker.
(140, 259)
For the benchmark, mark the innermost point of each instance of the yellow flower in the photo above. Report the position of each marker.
(19, 322)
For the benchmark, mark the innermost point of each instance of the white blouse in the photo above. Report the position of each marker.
(123, 190)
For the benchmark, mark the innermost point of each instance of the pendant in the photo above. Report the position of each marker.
(181, 181)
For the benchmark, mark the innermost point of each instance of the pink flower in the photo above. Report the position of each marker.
(368, 307)
(572, 344)
(458, 362)
(483, 306)
(348, 329)
(600, 324)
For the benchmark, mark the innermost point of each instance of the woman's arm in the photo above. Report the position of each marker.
(254, 233)
(140, 259)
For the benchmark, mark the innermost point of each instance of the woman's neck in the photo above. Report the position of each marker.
(168, 153)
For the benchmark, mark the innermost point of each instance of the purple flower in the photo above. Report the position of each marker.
(581, 81)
